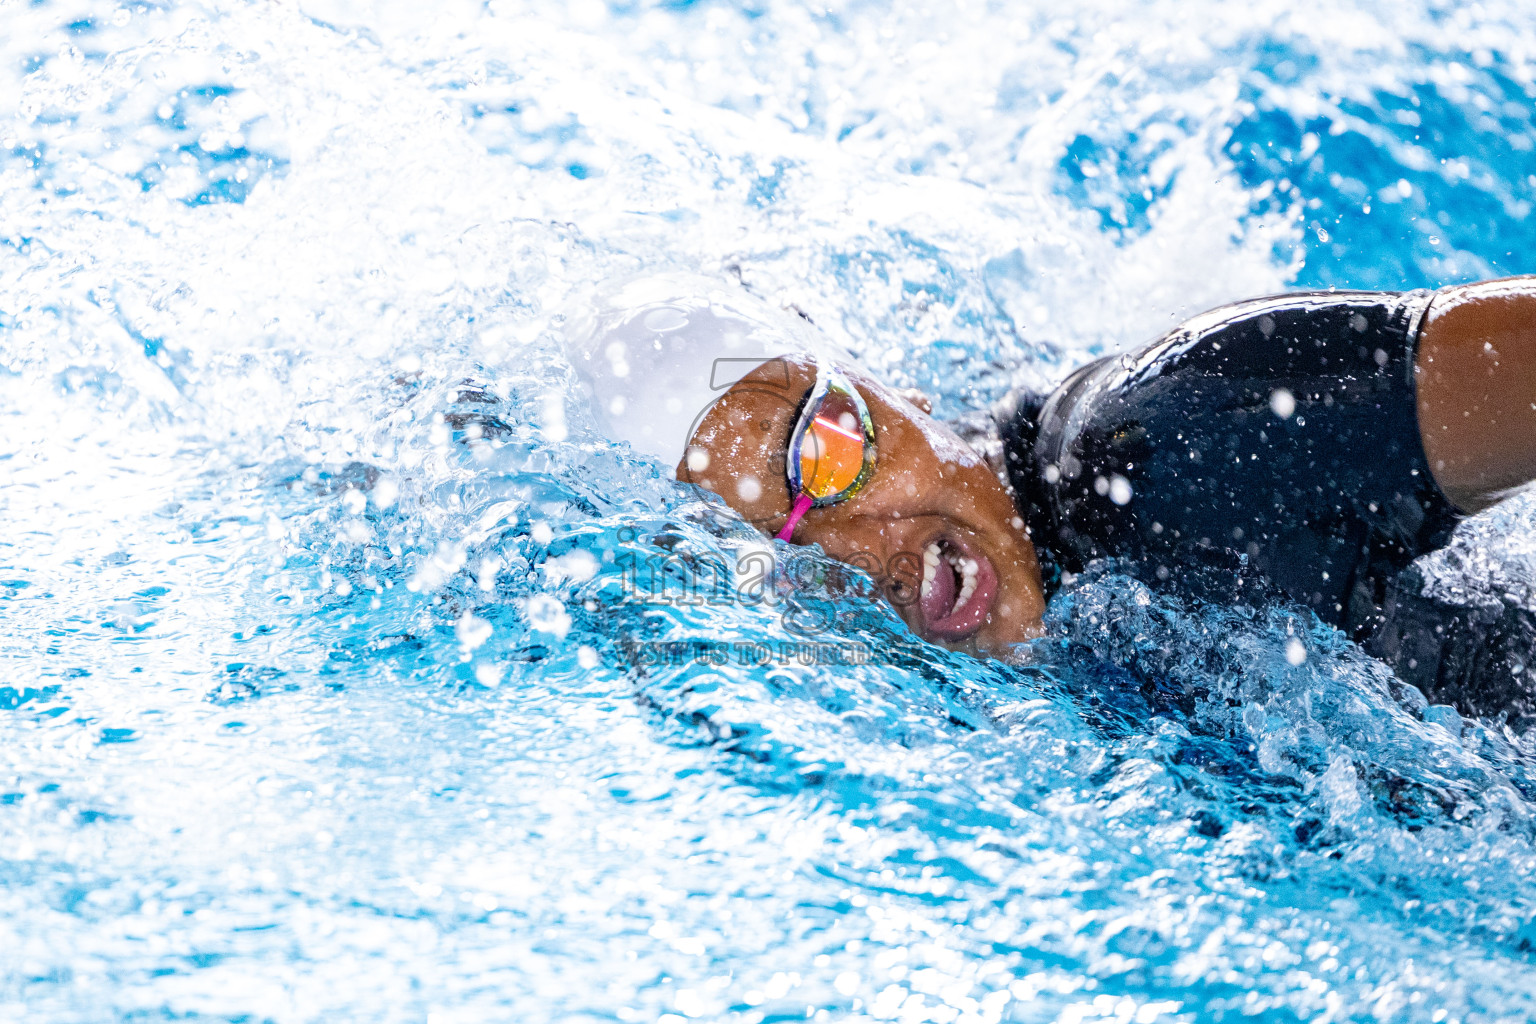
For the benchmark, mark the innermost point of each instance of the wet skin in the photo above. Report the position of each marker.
(1476, 382)
(930, 494)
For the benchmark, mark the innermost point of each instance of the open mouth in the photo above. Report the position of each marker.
(959, 586)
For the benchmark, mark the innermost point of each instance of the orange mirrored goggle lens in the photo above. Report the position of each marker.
(833, 446)
(832, 452)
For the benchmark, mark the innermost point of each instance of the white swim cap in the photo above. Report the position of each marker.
(657, 352)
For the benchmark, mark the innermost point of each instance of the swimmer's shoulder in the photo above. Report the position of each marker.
(1243, 350)
(1294, 334)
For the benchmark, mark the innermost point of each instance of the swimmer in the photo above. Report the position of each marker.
(1327, 438)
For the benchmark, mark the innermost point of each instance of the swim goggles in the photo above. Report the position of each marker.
(831, 452)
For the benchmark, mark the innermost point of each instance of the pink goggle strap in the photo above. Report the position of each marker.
(802, 506)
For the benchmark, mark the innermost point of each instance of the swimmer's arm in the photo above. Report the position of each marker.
(1476, 383)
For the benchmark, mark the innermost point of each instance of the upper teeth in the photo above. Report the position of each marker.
(932, 557)
(930, 566)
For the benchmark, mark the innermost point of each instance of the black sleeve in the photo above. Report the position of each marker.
(1282, 429)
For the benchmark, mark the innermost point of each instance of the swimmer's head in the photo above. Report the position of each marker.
(931, 522)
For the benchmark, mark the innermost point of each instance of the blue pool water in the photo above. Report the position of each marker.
(336, 680)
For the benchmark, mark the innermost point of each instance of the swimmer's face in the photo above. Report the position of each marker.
(933, 525)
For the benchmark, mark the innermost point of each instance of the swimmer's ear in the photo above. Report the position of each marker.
(917, 398)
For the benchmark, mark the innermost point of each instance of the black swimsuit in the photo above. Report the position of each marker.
(1284, 429)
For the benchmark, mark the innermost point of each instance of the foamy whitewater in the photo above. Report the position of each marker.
(338, 647)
